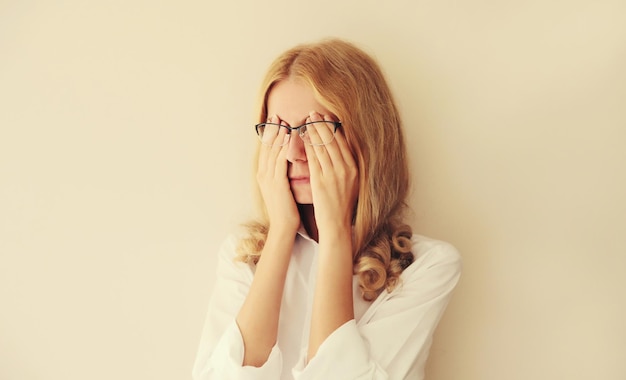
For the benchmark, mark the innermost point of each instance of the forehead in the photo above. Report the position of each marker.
(292, 100)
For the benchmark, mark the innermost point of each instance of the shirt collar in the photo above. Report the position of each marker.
(302, 232)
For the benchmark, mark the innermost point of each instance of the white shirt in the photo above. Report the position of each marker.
(388, 338)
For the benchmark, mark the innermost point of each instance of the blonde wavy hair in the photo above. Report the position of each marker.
(350, 84)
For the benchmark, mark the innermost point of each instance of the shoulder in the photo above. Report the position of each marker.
(426, 284)
(427, 249)
(228, 247)
(228, 250)
(433, 256)
(227, 266)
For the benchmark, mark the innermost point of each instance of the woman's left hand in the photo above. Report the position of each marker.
(334, 178)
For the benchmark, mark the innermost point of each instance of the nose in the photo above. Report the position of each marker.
(295, 149)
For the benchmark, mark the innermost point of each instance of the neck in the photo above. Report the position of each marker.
(307, 215)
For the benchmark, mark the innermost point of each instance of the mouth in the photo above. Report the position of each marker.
(299, 180)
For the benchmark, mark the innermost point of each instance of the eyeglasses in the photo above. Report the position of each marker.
(323, 132)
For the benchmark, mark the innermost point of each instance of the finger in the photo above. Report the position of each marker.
(315, 172)
(274, 150)
(318, 132)
(318, 149)
(324, 130)
(280, 166)
(348, 157)
(314, 164)
(272, 132)
(267, 141)
(333, 149)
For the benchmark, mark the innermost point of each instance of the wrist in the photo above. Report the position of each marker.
(338, 239)
(283, 228)
(336, 230)
(281, 232)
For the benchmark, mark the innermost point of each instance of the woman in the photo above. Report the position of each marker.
(330, 283)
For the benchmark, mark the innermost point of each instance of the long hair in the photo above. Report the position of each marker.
(350, 84)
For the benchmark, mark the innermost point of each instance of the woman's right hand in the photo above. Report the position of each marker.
(273, 182)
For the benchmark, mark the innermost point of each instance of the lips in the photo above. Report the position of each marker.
(299, 179)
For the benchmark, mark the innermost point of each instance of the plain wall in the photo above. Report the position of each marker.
(126, 143)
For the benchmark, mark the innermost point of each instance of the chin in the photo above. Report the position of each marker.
(302, 194)
(303, 199)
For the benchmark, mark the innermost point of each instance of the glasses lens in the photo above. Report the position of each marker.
(268, 133)
(318, 133)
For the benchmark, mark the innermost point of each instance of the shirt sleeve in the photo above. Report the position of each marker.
(221, 350)
(392, 339)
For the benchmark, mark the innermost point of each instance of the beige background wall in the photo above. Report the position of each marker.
(125, 149)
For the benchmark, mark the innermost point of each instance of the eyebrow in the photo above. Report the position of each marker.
(303, 121)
